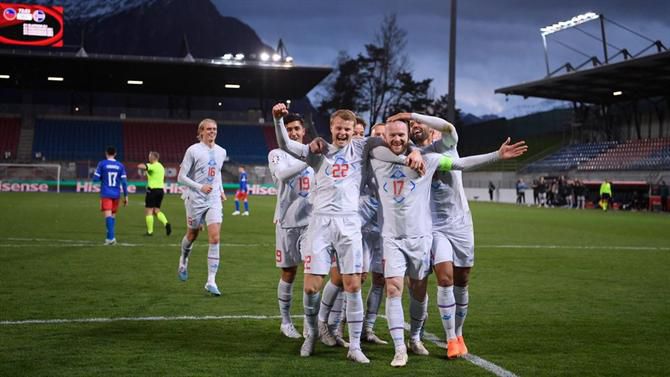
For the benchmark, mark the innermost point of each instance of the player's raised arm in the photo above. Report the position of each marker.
(448, 131)
(298, 150)
(281, 169)
(505, 152)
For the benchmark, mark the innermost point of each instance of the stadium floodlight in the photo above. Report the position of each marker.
(135, 82)
(227, 56)
(276, 57)
(617, 93)
(232, 86)
(289, 59)
(239, 56)
(4, 76)
(265, 56)
(574, 21)
(220, 104)
(55, 78)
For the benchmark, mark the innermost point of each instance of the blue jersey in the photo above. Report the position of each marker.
(243, 181)
(112, 177)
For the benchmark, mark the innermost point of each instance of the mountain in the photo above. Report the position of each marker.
(156, 28)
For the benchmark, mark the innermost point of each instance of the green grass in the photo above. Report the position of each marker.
(567, 293)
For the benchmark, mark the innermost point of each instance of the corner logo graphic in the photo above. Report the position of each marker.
(9, 14)
(39, 15)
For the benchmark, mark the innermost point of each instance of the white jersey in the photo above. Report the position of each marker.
(294, 180)
(338, 175)
(447, 198)
(202, 165)
(405, 197)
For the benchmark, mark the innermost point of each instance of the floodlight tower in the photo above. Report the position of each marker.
(574, 21)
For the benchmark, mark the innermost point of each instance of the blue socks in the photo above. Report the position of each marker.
(109, 222)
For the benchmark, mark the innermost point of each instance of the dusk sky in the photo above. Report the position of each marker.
(499, 42)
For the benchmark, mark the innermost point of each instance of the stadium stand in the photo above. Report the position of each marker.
(10, 131)
(645, 154)
(170, 139)
(569, 157)
(74, 139)
(632, 154)
(244, 144)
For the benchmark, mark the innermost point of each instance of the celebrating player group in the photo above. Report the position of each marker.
(381, 205)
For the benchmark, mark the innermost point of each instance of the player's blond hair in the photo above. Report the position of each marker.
(346, 115)
(201, 126)
(155, 155)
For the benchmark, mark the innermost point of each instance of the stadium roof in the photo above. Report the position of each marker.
(29, 69)
(644, 77)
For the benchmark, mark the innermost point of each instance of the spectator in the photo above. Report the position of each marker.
(580, 194)
(542, 192)
(521, 187)
(8, 155)
(492, 188)
(536, 193)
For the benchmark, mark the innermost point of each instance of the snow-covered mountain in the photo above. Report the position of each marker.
(155, 28)
(82, 9)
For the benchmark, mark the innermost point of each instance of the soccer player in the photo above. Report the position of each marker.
(359, 127)
(294, 180)
(372, 249)
(201, 172)
(112, 177)
(406, 231)
(452, 252)
(154, 197)
(334, 225)
(242, 194)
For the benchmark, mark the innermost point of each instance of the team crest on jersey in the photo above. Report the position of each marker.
(275, 159)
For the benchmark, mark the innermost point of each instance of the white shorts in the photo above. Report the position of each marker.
(287, 246)
(407, 256)
(454, 242)
(202, 215)
(340, 235)
(372, 252)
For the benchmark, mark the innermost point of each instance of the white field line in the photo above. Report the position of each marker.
(476, 360)
(581, 247)
(23, 242)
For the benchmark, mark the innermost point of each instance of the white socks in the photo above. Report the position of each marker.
(462, 298)
(446, 304)
(335, 315)
(330, 292)
(284, 296)
(212, 262)
(373, 303)
(417, 314)
(311, 304)
(354, 318)
(396, 321)
(186, 247)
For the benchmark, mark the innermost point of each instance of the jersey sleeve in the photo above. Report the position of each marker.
(281, 169)
(185, 168)
(98, 172)
(124, 180)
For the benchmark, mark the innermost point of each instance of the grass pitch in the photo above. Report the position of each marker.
(554, 292)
